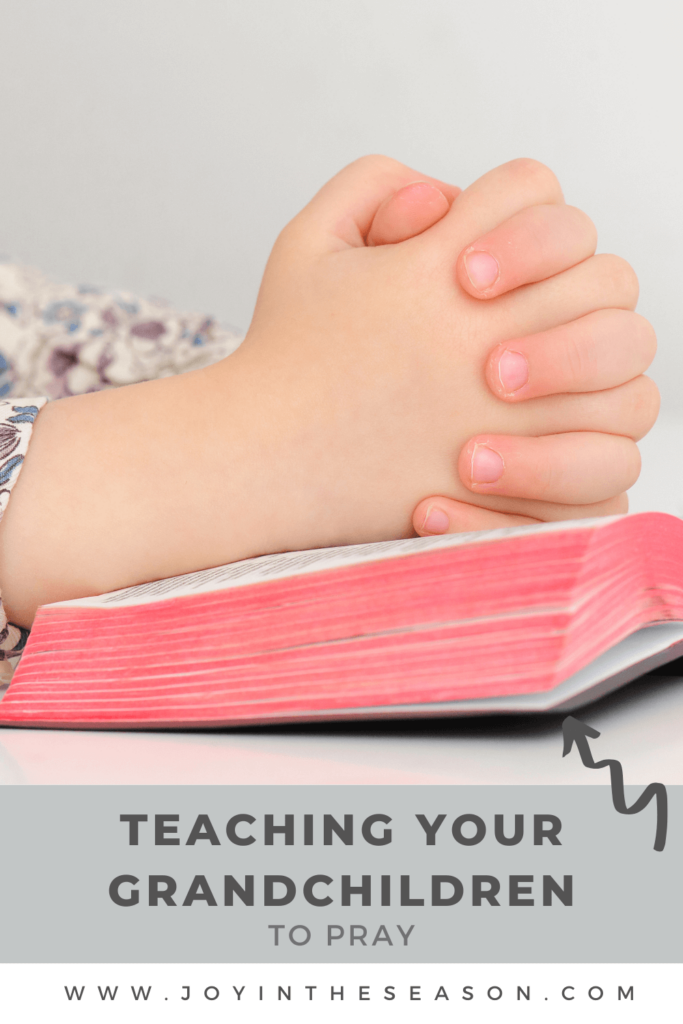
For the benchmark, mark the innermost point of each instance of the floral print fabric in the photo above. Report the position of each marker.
(58, 340)
(16, 424)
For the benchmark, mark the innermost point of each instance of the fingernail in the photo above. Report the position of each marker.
(482, 269)
(487, 465)
(513, 371)
(436, 520)
(421, 190)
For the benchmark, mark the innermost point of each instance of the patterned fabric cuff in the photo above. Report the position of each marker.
(17, 416)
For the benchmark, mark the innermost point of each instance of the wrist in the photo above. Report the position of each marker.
(144, 482)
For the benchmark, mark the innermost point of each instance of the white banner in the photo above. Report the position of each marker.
(274, 993)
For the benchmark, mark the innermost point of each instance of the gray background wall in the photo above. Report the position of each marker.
(159, 145)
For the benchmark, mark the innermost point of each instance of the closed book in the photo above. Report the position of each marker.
(535, 618)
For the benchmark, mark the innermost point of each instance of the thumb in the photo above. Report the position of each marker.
(435, 516)
(341, 214)
(410, 211)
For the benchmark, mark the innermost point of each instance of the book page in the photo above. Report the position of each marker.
(297, 563)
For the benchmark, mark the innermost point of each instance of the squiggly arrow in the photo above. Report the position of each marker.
(577, 732)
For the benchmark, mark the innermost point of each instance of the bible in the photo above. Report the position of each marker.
(529, 619)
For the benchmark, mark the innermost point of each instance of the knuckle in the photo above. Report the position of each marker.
(644, 406)
(373, 163)
(585, 224)
(622, 279)
(630, 330)
(536, 173)
(616, 464)
(632, 465)
(287, 234)
(647, 338)
(620, 463)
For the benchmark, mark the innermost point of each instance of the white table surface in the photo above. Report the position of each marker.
(641, 725)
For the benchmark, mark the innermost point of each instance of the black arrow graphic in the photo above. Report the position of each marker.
(577, 732)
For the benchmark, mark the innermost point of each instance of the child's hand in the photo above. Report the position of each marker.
(603, 350)
(392, 342)
(358, 390)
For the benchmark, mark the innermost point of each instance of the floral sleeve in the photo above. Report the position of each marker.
(16, 423)
(58, 340)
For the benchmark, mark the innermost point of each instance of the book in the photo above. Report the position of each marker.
(534, 618)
